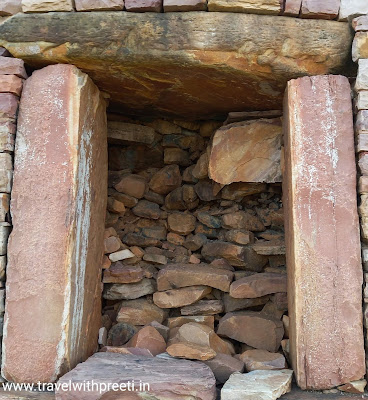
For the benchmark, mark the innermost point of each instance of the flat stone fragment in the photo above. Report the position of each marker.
(352, 8)
(223, 365)
(262, 360)
(258, 285)
(125, 133)
(29, 6)
(322, 233)
(257, 385)
(99, 5)
(11, 84)
(354, 387)
(247, 152)
(190, 351)
(177, 322)
(233, 304)
(269, 248)
(148, 338)
(128, 291)
(183, 275)
(327, 9)
(185, 5)
(4, 235)
(204, 307)
(361, 82)
(175, 298)
(255, 329)
(246, 6)
(140, 312)
(360, 46)
(134, 351)
(10, 7)
(6, 172)
(8, 105)
(292, 8)
(55, 188)
(167, 379)
(143, 5)
(4, 206)
(360, 24)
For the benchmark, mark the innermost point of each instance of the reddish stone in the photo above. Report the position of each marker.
(175, 298)
(292, 7)
(8, 105)
(99, 5)
(135, 351)
(166, 180)
(148, 338)
(112, 244)
(60, 166)
(262, 359)
(322, 233)
(326, 9)
(11, 84)
(223, 365)
(360, 23)
(10, 7)
(190, 351)
(185, 5)
(143, 5)
(12, 66)
(120, 273)
(132, 185)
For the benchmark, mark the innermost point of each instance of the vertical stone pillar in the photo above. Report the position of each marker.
(322, 233)
(58, 207)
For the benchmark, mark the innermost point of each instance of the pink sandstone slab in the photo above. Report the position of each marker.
(143, 5)
(322, 233)
(326, 9)
(12, 66)
(58, 207)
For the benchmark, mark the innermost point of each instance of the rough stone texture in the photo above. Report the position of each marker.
(361, 82)
(11, 84)
(148, 338)
(352, 8)
(322, 234)
(6, 172)
(140, 312)
(262, 360)
(59, 200)
(257, 385)
(125, 133)
(129, 291)
(360, 46)
(168, 379)
(292, 7)
(185, 5)
(247, 152)
(180, 297)
(29, 6)
(223, 365)
(255, 329)
(258, 285)
(12, 66)
(10, 7)
(360, 23)
(246, 6)
(326, 9)
(143, 5)
(177, 322)
(8, 106)
(99, 5)
(157, 73)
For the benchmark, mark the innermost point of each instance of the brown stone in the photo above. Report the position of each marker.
(175, 238)
(11, 84)
(115, 206)
(360, 46)
(180, 5)
(8, 105)
(155, 259)
(223, 365)
(354, 386)
(143, 5)
(147, 209)
(177, 322)
(200, 171)
(148, 338)
(176, 156)
(247, 152)
(184, 275)
(174, 200)
(327, 9)
(205, 190)
(263, 360)
(140, 312)
(12, 66)
(175, 298)
(242, 220)
(10, 7)
(209, 220)
(195, 242)
(132, 185)
(322, 234)
(135, 239)
(292, 8)
(128, 291)
(255, 329)
(181, 223)
(98, 5)
(120, 334)
(172, 380)
(258, 285)
(162, 80)
(120, 273)
(58, 186)
(246, 6)
(166, 180)
(237, 191)
(111, 244)
(233, 304)
(204, 307)
(161, 329)
(134, 351)
(240, 236)
(230, 252)
(190, 351)
(269, 248)
(43, 6)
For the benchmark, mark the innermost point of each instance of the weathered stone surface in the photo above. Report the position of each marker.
(361, 82)
(352, 8)
(247, 152)
(360, 24)
(322, 233)
(269, 248)
(255, 329)
(124, 133)
(223, 365)
(148, 338)
(258, 385)
(204, 307)
(54, 201)
(328, 9)
(163, 54)
(190, 351)
(292, 7)
(120, 334)
(147, 209)
(46, 6)
(99, 5)
(140, 312)
(6, 172)
(360, 46)
(200, 319)
(258, 285)
(120, 273)
(240, 236)
(262, 360)
(128, 291)
(166, 180)
(175, 298)
(168, 379)
(132, 185)
(181, 223)
(183, 275)
(11, 84)
(10, 7)
(242, 220)
(187, 5)
(246, 6)
(232, 304)
(134, 351)
(8, 105)
(4, 206)
(143, 5)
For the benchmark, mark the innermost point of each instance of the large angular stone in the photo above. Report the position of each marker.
(292, 7)
(99, 5)
(128, 291)
(258, 385)
(166, 379)
(140, 312)
(246, 6)
(148, 338)
(247, 152)
(327, 9)
(258, 285)
(164, 53)
(166, 180)
(252, 328)
(223, 365)
(6, 172)
(46, 6)
(60, 167)
(11, 84)
(184, 275)
(352, 8)
(322, 234)
(175, 298)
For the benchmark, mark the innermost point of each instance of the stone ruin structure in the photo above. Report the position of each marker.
(184, 199)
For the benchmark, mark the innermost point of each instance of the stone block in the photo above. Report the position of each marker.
(352, 8)
(4, 235)
(125, 133)
(327, 9)
(246, 6)
(360, 46)
(360, 24)
(4, 207)
(361, 101)
(322, 233)
(361, 82)
(292, 8)
(99, 5)
(12, 66)
(185, 5)
(362, 142)
(247, 152)
(6, 172)
(143, 5)
(8, 105)
(10, 7)
(11, 84)
(58, 203)
(36, 6)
